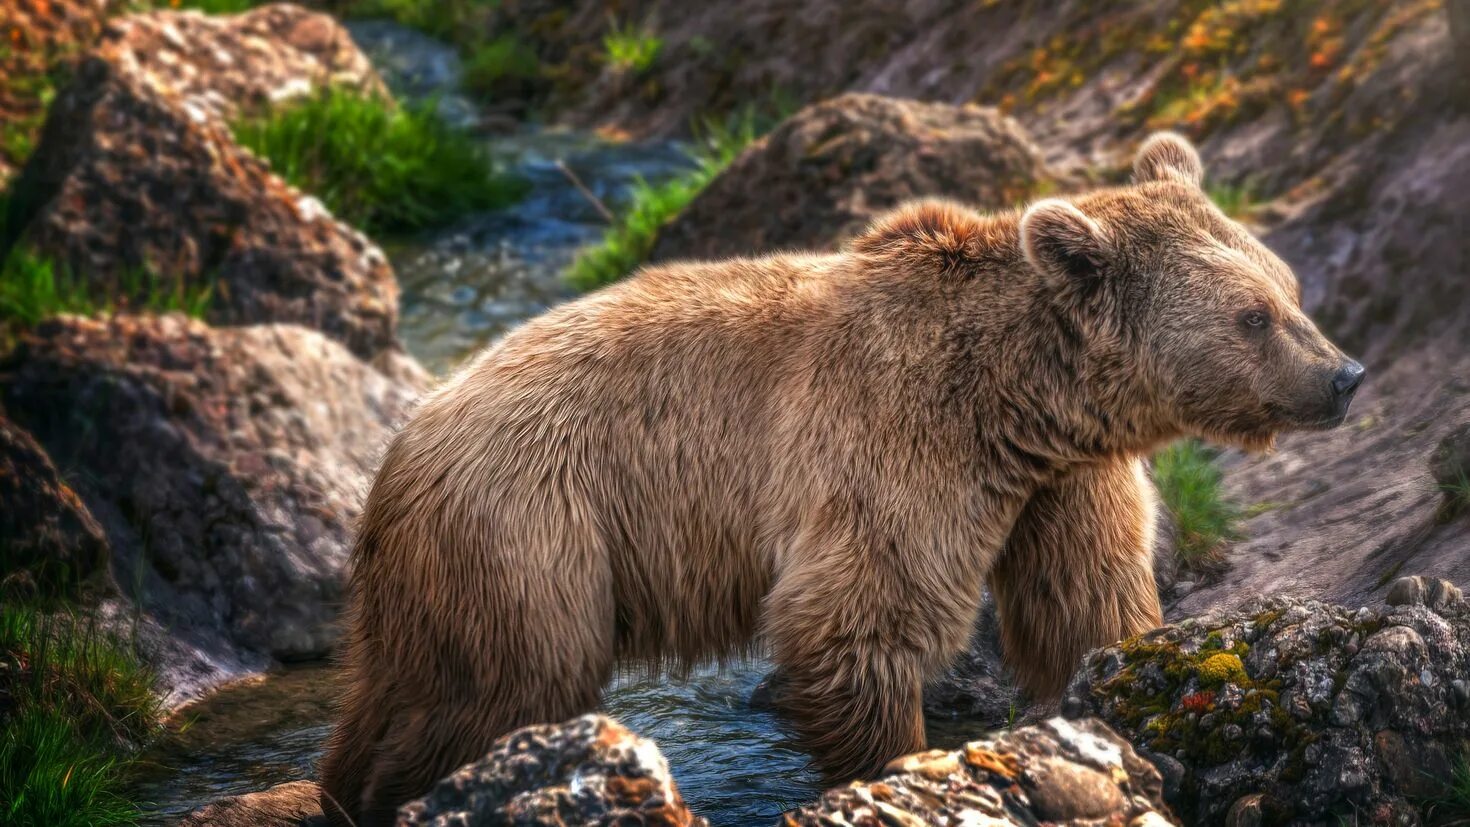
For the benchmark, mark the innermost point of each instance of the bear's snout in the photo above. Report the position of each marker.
(1344, 384)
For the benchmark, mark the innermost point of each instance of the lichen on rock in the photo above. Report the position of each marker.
(1295, 711)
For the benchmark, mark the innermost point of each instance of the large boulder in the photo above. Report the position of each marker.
(137, 173)
(825, 172)
(1055, 772)
(587, 771)
(49, 541)
(1292, 712)
(226, 465)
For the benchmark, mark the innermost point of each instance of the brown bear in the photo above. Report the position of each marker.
(828, 455)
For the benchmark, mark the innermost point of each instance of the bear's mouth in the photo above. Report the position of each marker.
(1328, 423)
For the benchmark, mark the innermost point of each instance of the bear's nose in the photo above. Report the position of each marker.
(1348, 378)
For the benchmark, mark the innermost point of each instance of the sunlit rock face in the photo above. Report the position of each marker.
(1294, 712)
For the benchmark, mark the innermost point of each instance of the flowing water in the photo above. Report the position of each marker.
(734, 763)
(463, 287)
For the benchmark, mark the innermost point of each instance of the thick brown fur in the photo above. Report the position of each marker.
(828, 455)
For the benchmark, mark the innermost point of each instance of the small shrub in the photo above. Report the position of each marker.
(631, 49)
(79, 704)
(1192, 488)
(628, 242)
(377, 166)
(1456, 497)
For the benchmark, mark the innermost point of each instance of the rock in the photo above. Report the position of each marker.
(1458, 12)
(294, 804)
(826, 171)
(1058, 771)
(587, 771)
(1337, 712)
(1418, 590)
(47, 535)
(137, 171)
(224, 464)
(1397, 193)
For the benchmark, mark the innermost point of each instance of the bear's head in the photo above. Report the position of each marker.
(1207, 320)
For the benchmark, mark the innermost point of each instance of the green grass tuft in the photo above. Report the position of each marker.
(212, 6)
(379, 167)
(80, 702)
(33, 288)
(1452, 805)
(1192, 488)
(1459, 490)
(628, 242)
(631, 49)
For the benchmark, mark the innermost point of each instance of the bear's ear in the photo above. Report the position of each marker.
(1168, 156)
(1062, 243)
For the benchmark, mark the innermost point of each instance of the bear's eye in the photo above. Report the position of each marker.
(1255, 319)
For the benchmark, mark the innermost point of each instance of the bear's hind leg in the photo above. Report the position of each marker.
(1077, 573)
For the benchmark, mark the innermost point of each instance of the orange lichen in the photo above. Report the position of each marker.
(996, 763)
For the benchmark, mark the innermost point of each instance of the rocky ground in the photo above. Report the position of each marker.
(212, 468)
(200, 477)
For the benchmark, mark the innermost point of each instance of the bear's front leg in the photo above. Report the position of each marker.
(1077, 573)
(852, 674)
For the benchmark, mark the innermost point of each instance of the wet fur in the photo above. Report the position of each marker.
(827, 455)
